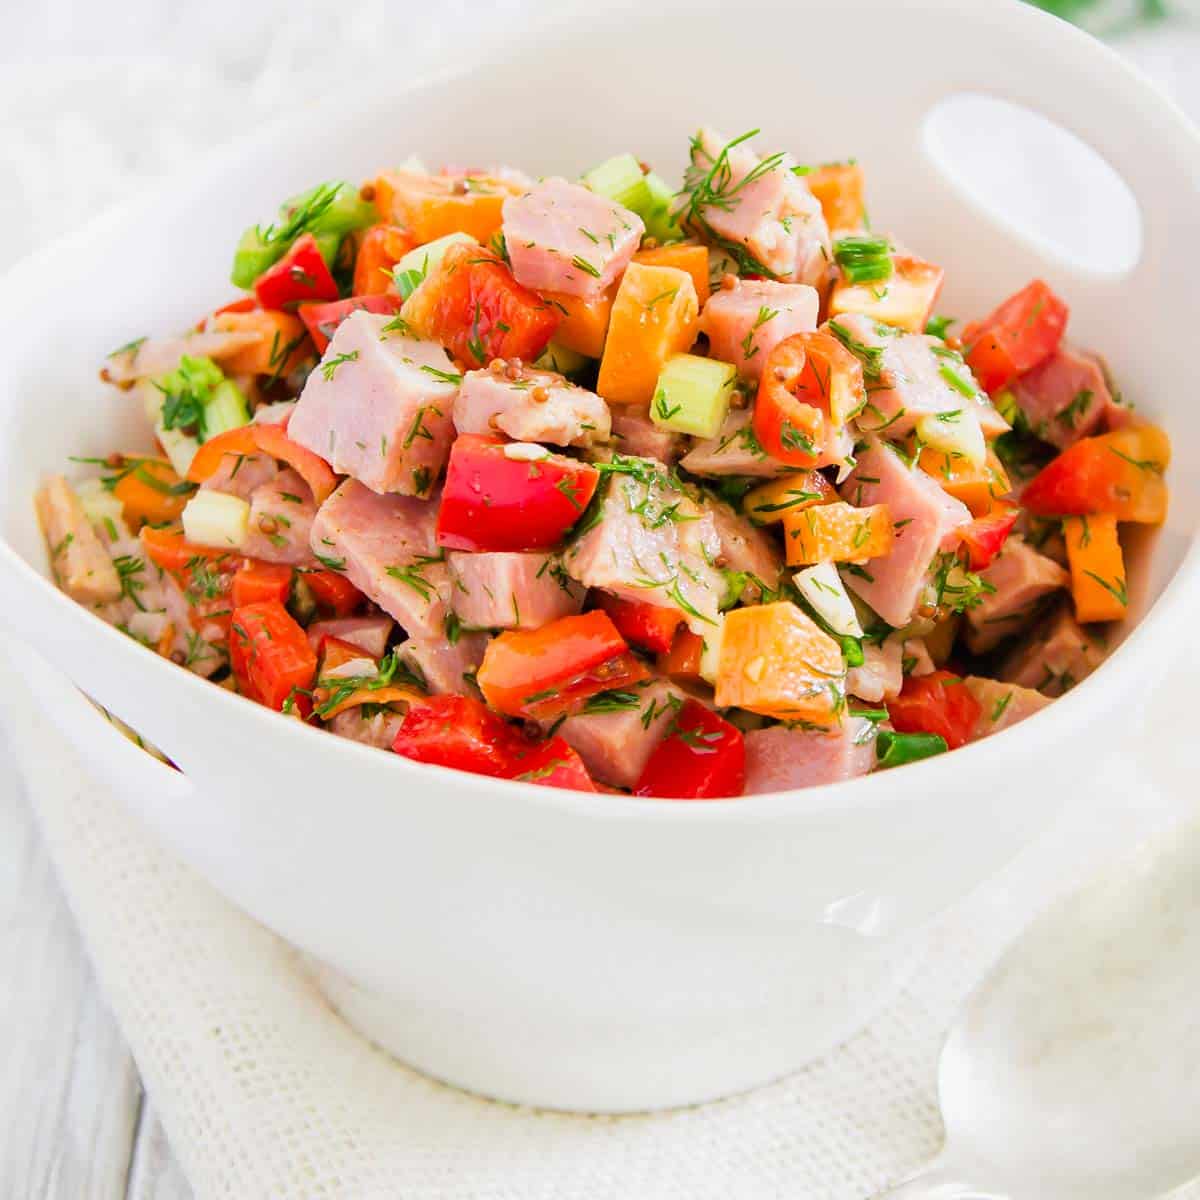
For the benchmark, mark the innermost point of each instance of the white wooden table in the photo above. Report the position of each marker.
(74, 1121)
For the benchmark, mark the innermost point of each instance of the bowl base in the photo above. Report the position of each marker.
(483, 1062)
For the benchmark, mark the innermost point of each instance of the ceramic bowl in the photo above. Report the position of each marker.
(602, 952)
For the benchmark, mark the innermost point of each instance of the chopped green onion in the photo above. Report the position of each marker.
(896, 749)
(863, 259)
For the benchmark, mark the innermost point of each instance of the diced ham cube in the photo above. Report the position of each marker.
(1021, 577)
(881, 675)
(278, 412)
(1065, 398)
(536, 406)
(378, 730)
(1001, 704)
(281, 517)
(616, 745)
(385, 546)
(1055, 657)
(80, 563)
(746, 547)
(773, 216)
(561, 237)
(746, 322)
(779, 759)
(650, 542)
(910, 380)
(157, 356)
(241, 475)
(370, 633)
(511, 590)
(378, 407)
(634, 433)
(734, 451)
(926, 521)
(446, 667)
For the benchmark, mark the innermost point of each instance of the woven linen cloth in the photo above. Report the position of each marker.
(263, 1090)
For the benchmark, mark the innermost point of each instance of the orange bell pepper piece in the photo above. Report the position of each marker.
(1097, 568)
(837, 532)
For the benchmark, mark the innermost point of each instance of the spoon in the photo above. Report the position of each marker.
(1073, 1072)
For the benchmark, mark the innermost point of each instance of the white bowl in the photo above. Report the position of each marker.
(602, 952)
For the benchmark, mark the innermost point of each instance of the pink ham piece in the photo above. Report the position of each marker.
(505, 590)
(910, 381)
(1001, 704)
(157, 356)
(926, 519)
(1065, 398)
(651, 542)
(561, 237)
(378, 407)
(78, 560)
(378, 730)
(780, 759)
(241, 475)
(1021, 577)
(1055, 657)
(746, 322)
(634, 433)
(747, 548)
(278, 412)
(281, 517)
(370, 633)
(773, 216)
(734, 451)
(536, 406)
(446, 667)
(615, 746)
(881, 675)
(385, 546)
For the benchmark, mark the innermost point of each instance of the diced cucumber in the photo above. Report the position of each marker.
(710, 653)
(346, 212)
(660, 221)
(216, 519)
(559, 358)
(101, 507)
(621, 179)
(414, 266)
(955, 433)
(253, 256)
(693, 395)
(225, 409)
(180, 447)
(822, 587)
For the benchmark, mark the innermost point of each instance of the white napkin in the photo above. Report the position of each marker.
(265, 1092)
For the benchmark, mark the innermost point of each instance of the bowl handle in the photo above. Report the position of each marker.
(129, 769)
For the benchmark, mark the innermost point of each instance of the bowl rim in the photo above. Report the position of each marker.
(1098, 694)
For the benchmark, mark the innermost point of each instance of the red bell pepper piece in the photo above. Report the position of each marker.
(682, 660)
(270, 440)
(938, 703)
(1024, 331)
(493, 502)
(335, 595)
(1119, 473)
(702, 757)
(542, 673)
(551, 764)
(322, 320)
(257, 581)
(270, 655)
(300, 275)
(471, 303)
(382, 246)
(170, 550)
(460, 732)
(985, 536)
(645, 625)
